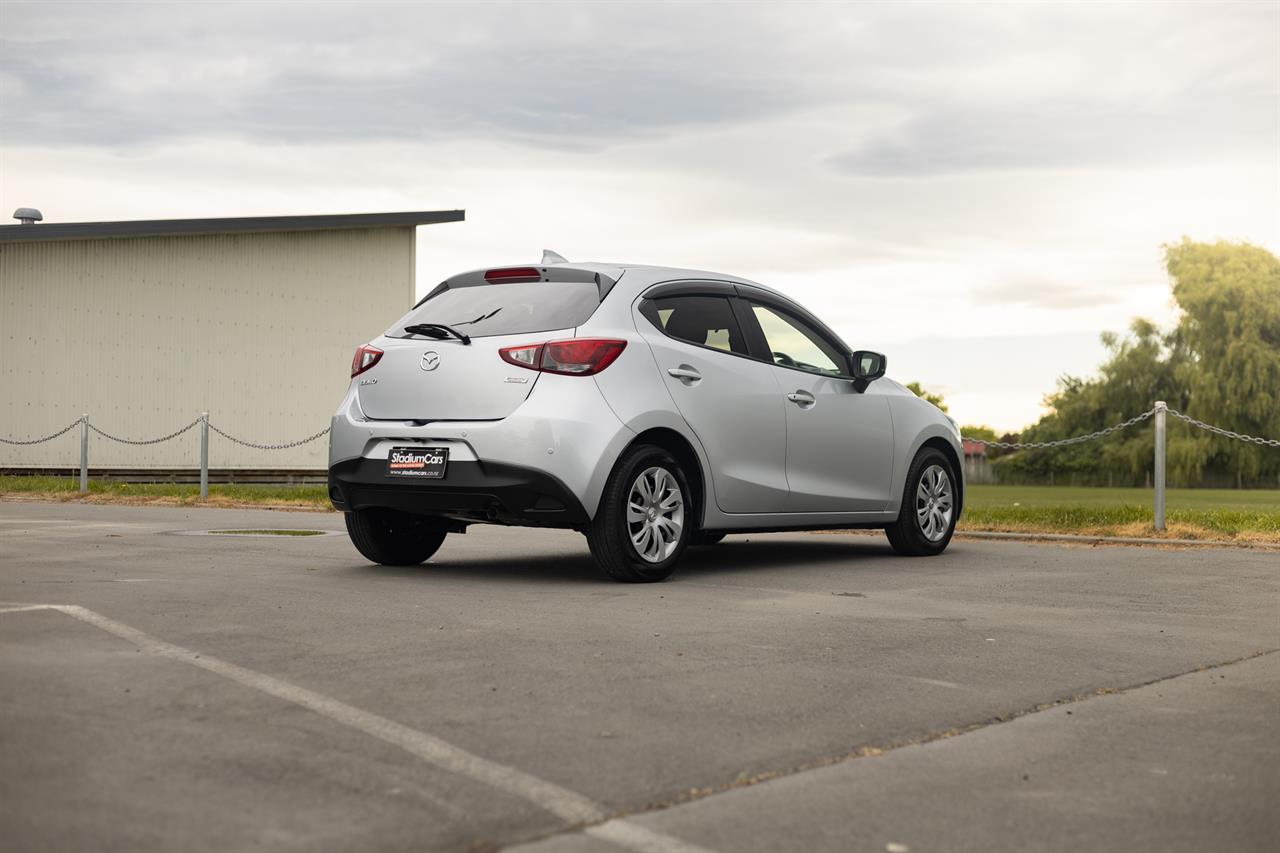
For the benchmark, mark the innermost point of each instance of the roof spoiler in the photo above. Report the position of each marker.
(559, 270)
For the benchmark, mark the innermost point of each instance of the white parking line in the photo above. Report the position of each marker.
(633, 836)
(571, 807)
(936, 682)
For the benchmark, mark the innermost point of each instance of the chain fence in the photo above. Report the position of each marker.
(138, 442)
(87, 427)
(1158, 412)
(978, 471)
(1005, 445)
(1063, 442)
(1217, 430)
(1137, 419)
(284, 446)
(50, 437)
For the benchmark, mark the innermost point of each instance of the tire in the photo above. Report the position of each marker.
(393, 538)
(610, 535)
(911, 536)
(702, 539)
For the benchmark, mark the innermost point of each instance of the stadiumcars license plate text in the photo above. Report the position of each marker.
(426, 462)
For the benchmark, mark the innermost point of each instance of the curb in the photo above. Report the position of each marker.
(1112, 540)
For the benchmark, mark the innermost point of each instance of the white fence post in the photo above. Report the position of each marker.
(1161, 408)
(204, 455)
(84, 453)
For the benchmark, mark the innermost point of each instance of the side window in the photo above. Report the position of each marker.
(707, 321)
(794, 344)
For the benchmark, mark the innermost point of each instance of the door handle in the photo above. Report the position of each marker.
(685, 374)
(803, 399)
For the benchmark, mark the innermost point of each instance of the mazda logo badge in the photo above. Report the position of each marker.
(430, 360)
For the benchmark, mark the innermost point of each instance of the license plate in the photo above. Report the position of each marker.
(426, 462)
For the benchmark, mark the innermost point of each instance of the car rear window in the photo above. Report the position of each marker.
(506, 309)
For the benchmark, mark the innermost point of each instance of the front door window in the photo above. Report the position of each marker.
(791, 344)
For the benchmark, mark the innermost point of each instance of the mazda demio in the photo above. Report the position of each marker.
(649, 408)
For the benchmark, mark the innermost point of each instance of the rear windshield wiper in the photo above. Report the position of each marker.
(478, 319)
(439, 331)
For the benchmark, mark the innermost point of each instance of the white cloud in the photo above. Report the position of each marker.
(996, 180)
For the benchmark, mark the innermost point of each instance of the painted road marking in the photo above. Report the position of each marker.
(633, 836)
(569, 806)
(936, 682)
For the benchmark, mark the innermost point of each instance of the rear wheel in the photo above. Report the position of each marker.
(394, 538)
(643, 523)
(930, 503)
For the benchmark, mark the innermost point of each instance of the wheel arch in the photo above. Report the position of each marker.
(682, 449)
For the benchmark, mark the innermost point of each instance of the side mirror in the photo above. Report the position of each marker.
(867, 366)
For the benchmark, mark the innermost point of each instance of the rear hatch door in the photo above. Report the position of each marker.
(432, 380)
(421, 377)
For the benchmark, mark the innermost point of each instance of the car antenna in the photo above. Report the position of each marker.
(550, 257)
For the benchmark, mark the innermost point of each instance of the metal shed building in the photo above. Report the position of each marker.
(146, 324)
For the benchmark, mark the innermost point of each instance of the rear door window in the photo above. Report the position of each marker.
(707, 321)
(506, 309)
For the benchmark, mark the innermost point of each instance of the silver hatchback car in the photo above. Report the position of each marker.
(649, 408)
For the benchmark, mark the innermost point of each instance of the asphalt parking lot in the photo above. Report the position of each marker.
(782, 692)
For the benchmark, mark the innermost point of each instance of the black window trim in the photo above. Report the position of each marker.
(723, 289)
(756, 336)
(740, 296)
(690, 287)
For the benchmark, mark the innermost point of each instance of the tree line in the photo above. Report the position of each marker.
(1219, 363)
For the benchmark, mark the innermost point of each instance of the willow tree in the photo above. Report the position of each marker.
(1230, 296)
(1219, 364)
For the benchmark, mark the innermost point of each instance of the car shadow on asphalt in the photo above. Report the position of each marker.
(733, 556)
(742, 555)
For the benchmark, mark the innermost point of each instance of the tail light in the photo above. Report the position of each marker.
(366, 357)
(577, 357)
(513, 275)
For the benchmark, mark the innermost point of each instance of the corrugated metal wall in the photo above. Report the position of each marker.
(145, 333)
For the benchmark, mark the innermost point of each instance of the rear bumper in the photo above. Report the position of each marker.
(562, 443)
(470, 491)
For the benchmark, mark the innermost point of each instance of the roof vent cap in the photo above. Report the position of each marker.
(28, 215)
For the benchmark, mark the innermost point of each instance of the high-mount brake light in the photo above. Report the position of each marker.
(576, 357)
(513, 275)
(366, 357)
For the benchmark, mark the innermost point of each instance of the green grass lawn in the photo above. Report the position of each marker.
(179, 493)
(1194, 512)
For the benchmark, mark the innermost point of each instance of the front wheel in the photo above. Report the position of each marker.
(394, 538)
(645, 517)
(930, 507)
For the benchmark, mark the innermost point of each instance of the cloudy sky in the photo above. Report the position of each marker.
(977, 190)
